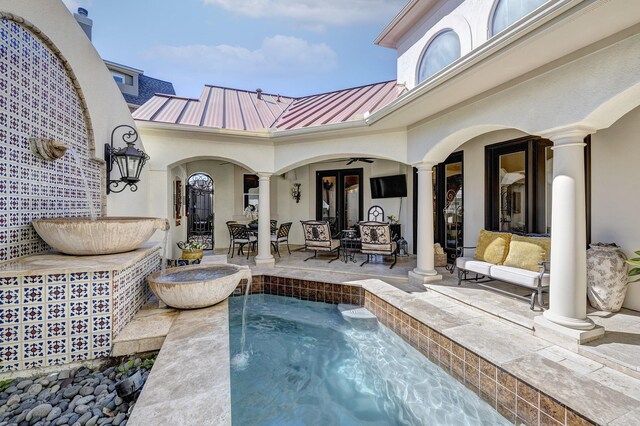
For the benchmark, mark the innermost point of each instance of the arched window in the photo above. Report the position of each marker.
(443, 49)
(507, 12)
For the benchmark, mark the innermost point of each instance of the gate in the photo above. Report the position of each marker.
(199, 209)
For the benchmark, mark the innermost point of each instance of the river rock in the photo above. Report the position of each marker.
(24, 383)
(71, 391)
(86, 390)
(118, 419)
(40, 411)
(54, 414)
(13, 400)
(85, 418)
(100, 389)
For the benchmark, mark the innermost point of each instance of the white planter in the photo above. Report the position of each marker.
(606, 277)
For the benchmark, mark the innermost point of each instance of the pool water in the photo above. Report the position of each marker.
(305, 365)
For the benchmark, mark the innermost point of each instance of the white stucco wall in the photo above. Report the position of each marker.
(615, 175)
(107, 108)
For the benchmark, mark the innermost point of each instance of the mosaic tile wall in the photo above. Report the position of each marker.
(130, 289)
(59, 318)
(38, 99)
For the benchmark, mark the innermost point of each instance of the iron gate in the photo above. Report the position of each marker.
(200, 210)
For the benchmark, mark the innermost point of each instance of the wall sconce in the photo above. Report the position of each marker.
(295, 192)
(129, 160)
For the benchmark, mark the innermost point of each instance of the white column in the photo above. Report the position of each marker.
(568, 286)
(264, 257)
(425, 270)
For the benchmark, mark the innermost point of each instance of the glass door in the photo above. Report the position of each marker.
(448, 210)
(339, 198)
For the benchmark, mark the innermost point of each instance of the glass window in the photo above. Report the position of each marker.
(250, 190)
(509, 11)
(351, 200)
(513, 200)
(443, 49)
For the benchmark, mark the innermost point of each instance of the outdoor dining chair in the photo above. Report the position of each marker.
(317, 237)
(242, 236)
(230, 235)
(281, 236)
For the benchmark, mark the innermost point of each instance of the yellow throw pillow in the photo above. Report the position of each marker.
(527, 252)
(492, 247)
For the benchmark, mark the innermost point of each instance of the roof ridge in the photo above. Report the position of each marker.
(248, 91)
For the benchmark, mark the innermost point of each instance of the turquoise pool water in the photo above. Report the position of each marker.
(307, 366)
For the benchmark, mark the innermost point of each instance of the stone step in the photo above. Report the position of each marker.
(146, 331)
(358, 316)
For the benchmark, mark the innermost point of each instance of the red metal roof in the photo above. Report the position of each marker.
(225, 108)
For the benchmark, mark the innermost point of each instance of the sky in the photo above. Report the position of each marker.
(288, 47)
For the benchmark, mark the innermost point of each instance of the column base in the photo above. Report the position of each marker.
(565, 336)
(422, 277)
(267, 262)
(575, 323)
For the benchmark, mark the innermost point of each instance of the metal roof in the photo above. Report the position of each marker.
(233, 109)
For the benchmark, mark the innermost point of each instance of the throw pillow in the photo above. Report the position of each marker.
(527, 252)
(492, 247)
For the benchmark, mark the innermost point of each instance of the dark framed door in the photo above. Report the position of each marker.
(200, 214)
(448, 208)
(339, 198)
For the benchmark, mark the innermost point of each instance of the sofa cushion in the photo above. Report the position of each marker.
(528, 252)
(518, 276)
(473, 265)
(492, 247)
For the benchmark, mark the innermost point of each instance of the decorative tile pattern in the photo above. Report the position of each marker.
(59, 318)
(38, 99)
(130, 289)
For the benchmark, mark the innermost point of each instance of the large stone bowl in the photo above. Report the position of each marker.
(196, 286)
(104, 235)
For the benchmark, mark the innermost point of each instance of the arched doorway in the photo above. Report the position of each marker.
(199, 209)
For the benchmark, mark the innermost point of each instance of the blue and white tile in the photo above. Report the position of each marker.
(100, 289)
(9, 295)
(56, 347)
(78, 308)
(33, 294)
(32, 313)
(33, 349)
(9, 333)
(78, 326)
(56, 329)
(79, 344)
(32, 332)
(57, 311)
(33, 279)
(56, 292)
(78, 276)
(100, 306)
(78, 290)
(101, 324)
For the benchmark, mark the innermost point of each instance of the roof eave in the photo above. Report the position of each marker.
(491, 47)
(155, 125)
(410, 14)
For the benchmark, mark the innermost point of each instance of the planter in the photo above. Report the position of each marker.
(606, 277)
(192, 254)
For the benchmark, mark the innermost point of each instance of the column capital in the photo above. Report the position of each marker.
(424, 166)
(264, 175)
(569, 135)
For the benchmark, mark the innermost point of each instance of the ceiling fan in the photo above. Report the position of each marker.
(352, 160)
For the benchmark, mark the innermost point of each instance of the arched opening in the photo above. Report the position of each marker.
(506, 12)
(199, 210)
(443, 49)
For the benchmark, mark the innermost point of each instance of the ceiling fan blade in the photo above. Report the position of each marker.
(351, 161)
(367, 160)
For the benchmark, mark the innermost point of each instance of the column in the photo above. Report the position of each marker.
(568, 286)
(425, 270)
(264, 257)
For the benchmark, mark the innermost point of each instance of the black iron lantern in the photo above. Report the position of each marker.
(129, 160)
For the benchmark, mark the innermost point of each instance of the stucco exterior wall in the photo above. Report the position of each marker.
(615, 174)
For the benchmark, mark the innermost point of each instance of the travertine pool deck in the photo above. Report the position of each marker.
(591, 388)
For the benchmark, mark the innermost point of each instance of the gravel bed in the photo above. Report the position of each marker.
(78, 397)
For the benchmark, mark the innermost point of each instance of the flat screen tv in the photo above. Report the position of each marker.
(389, 186)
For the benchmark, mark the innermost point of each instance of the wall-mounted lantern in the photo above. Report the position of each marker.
(295, 192)
(129, 160)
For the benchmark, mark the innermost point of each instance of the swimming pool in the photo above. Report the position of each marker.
(308, 366)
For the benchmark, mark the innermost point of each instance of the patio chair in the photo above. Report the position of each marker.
(241, 237)
(376, 239)
(317, 237)
(274, 226)
(230, 235)
(281, 236)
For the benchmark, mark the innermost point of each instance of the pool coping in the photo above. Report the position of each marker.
(511, 384)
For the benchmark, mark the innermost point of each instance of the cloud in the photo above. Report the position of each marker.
(277, 55)
(315, 14)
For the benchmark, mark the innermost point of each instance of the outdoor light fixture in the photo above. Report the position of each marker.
(129, 160)
(295, 192)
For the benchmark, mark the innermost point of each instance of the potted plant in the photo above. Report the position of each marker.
(634, 272)
(251, 212)
(191, 250)
(393, 220)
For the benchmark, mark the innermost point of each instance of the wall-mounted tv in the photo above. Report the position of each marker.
(389, 186)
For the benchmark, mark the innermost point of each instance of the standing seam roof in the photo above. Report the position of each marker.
(226, 108)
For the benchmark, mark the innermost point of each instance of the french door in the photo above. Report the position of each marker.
(339, 198)
(448, 206)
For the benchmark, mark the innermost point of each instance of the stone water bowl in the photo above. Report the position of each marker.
(104, 235)
(196, 286)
